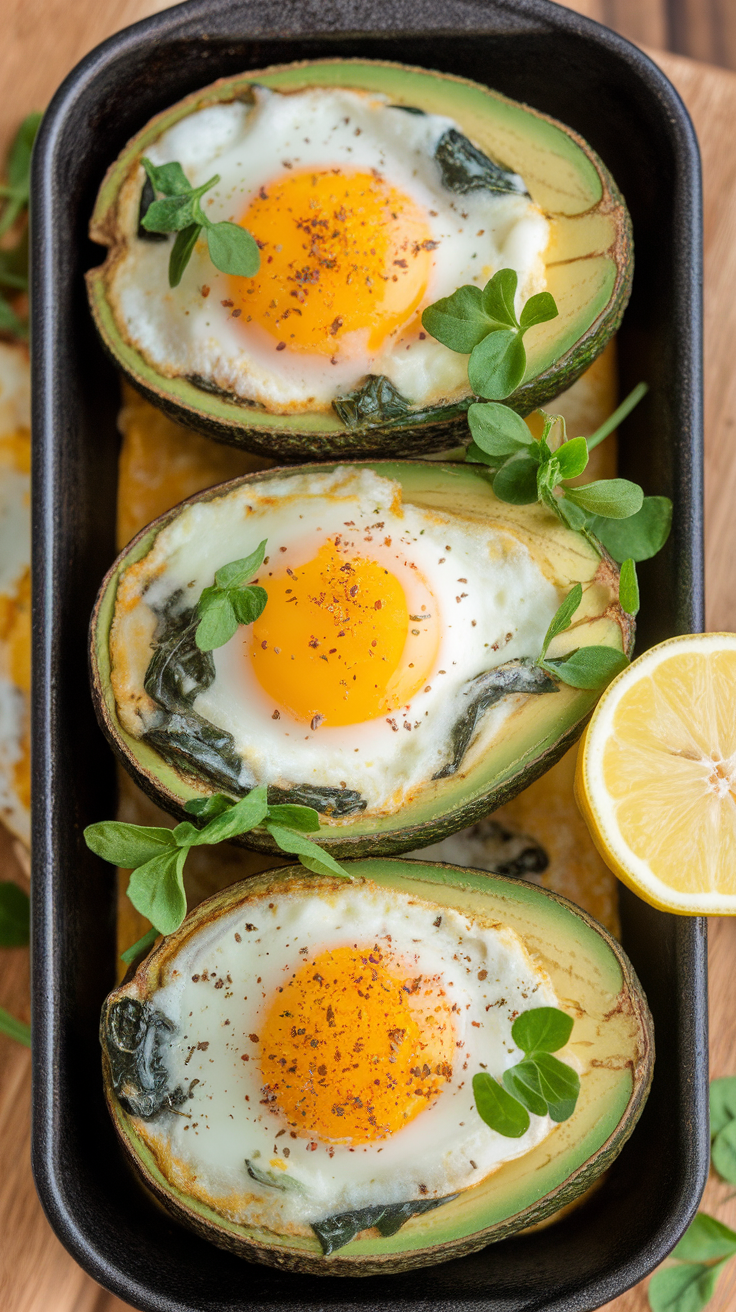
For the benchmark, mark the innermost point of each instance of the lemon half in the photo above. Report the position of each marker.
(656, 775)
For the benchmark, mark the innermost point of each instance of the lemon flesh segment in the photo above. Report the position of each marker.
(656, 775)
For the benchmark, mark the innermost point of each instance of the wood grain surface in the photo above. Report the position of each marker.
(42, 41)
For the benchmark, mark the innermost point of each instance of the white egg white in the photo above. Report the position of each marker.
(494, 605)
(189, 331)
(216, 992)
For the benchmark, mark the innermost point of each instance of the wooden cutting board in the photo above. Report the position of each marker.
(42, 41)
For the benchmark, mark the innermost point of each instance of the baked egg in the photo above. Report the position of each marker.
(359, 228)
(364, 678)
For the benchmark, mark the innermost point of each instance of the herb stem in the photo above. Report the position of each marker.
(14, 1028)
(618, 416)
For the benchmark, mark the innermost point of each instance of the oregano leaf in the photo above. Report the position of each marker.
(170, 214)
(498, 1108)
(705, 1240)
(588, 667)
(559, 1085)
(628, 588)
(498, 430)
(572, 457)
(156, 889)
(127, 845)
(209, 807)
(722, 1103)
(723, 1153)
(310, 854)
(240, 571)
(218, 623)
(499, 297)
(459, 321)
(538, 309)
(181, 252)
(248, 603)
(522, 1082)
(292, 816)
(684, 1288)
(639, 536)
(168, 178)
(613, 498)
(563, 615)
(497, 364)
(516, 481)
(245, 815)
(233, 249)
(543, 1029)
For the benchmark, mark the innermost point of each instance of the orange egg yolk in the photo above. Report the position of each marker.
(341, 252)
(336, 643)
(353, 1048)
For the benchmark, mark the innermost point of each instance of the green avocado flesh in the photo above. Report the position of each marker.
(612, 1040)
(589, 263)
(530, 740)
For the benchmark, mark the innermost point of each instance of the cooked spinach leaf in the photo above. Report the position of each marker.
(178, 670)
(274, 1179)
(186, 740)
(465, 168)
(337, 1231)
(484, 691)
(372, 404)
(132, 1034)
(328, 801)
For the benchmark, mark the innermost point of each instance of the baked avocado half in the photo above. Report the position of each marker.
(267, 1205)
(499, 720)
(497, 144)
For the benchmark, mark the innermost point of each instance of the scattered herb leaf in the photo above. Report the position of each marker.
(542, 1029)
(613, 498)
(230, 602)
(628, 588)
(499, 1108)
(274, 1179)
(14, 195)
(15, 916)
(232, 249)
(157, 856)
(483, 324)
(685, 1288)
(705, 1240)
(640, 536)
(585, 667)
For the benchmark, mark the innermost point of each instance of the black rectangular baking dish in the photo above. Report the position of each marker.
(608, 90)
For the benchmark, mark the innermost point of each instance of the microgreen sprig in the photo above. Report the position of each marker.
(585, 667)
(540, 1083)
(156, 856)
(230, 602)
(232, 249)
(15, 916)
(483, 324)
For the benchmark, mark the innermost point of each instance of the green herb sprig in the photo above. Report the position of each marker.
(585, 667)
(483, 324)
(156, 856)
(230, 601)
(540, 1083)
(14, 195)
(723, 1127)
(232, 249)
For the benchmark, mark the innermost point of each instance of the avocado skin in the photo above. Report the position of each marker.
(630, 1002)
(236, 423)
